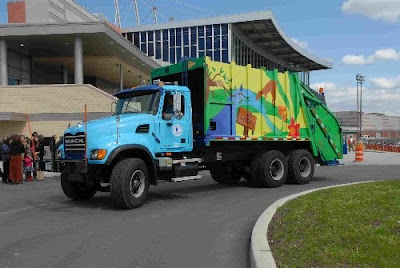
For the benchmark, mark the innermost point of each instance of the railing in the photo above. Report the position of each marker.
(384, 145)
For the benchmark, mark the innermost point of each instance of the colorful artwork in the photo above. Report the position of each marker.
(248, 102)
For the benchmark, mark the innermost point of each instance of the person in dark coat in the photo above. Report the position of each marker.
(5, 157)
(17, 149)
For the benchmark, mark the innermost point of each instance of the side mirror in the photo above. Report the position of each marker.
(178, 105)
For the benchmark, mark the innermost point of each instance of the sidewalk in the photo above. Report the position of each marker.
(372, 158)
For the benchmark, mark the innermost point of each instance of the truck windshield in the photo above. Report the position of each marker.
(145, 102)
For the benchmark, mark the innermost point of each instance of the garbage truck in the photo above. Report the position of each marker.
(238, 122)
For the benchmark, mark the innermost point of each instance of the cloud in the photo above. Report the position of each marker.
(378, 97)
(387, 54)
(386, 83)
(387, 10)
(302, 44)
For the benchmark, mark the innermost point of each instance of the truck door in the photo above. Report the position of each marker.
(176, 122)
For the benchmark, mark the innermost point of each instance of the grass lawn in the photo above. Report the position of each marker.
(352, 226)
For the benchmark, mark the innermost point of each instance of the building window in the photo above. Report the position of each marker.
(150, 46)
(143, 42)
(186, 36)
(150, 36)
(165, 49)
(158, 50)
(217, 29)
(150, 49)
(143, 37)
(136, 39)
(217, 41)
(209, 30)
(186, 51)
(193, 35)
(217, 55)
(225, 42)
(209, 43)
(158, 35)
(225, 55)
(172, 55)
(178, 54)
(178, 37)
(193, 51)
(224, 29)
(172, 37)
(129, 37)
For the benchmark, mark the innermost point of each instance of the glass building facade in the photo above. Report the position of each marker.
(170, 45)
(217, 41)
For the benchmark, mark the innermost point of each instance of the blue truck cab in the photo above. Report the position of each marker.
(132, 148)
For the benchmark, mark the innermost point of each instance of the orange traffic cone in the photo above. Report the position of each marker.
(359, 153)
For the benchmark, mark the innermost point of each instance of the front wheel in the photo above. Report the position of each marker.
(77, 190)
(226, 174)
(129, 183)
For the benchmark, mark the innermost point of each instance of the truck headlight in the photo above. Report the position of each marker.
(98, 154)
(58, 154)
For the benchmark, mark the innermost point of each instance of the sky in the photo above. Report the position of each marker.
(357, 36)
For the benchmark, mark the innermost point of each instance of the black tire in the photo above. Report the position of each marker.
(253, 168)
(129, 183)
(301, 167)
(77, 190)
(226, 174)
(271, 169)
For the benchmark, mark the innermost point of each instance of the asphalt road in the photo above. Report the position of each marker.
(188, 224)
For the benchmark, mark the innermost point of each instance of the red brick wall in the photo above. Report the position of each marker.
(16, 12)
(371, 133)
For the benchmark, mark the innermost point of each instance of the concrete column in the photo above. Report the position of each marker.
(121, 78)
(65, 74)
(3, 63)
(78, 60)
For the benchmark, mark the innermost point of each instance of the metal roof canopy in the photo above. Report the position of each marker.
(260, 28)
(44, 42)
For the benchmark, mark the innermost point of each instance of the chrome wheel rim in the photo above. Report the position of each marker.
(304, 167)
(137, 183)
(276, 169)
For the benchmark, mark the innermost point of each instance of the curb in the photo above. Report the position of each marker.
(260, 251)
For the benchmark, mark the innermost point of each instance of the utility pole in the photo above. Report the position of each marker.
(137, 13)
(154, 9)
(360, 80)
(117, 16)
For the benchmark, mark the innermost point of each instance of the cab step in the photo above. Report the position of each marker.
(188, 178)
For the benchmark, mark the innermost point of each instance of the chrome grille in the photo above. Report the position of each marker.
(75, 143)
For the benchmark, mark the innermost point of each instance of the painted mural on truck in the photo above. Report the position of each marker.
(256, 103)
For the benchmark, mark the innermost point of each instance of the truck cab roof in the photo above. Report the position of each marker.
(131, 91)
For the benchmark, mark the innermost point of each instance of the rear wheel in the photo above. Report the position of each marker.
(271, 169)
(301, 167)
(129, 183)
(227, 174)
(77, 190)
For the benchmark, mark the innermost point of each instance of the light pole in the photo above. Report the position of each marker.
(360, 80)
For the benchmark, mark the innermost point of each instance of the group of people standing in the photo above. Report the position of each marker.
(21, 156)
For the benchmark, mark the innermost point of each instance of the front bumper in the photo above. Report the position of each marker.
(75, 166)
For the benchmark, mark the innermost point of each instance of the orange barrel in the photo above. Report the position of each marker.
(359, 152)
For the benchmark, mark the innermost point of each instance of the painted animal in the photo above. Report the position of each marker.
(270, 87)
